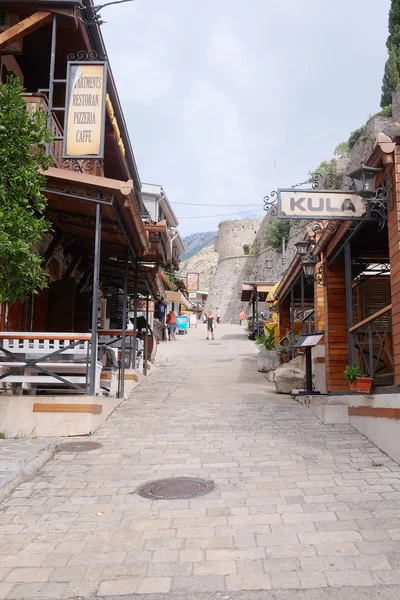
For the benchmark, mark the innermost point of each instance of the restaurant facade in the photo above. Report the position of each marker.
(104, 246)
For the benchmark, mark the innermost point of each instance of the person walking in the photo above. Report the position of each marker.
(210, 325)
(171, 324)
(218, 315)
(242, 317)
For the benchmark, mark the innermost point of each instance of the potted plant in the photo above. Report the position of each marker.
(285, 348)
(351, 374)
(357, 381)
(267, 359)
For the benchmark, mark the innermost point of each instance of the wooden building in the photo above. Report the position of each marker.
(103, 242)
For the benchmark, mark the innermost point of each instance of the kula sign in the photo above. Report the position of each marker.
(320, 205)
(85, 110)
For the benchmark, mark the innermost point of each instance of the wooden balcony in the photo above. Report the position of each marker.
(374, 346)
(38, 101)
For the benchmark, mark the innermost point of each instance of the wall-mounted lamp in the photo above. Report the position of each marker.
(364, 181)
(309, 264)
(301, 248)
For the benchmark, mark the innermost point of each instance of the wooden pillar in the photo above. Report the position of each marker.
(319, 306)
(394, 254)
(336, 333)
(284, 317)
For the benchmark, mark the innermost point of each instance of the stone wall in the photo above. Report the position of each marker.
(234, 267)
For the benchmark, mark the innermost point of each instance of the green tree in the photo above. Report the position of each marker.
(275, 232)
(391, 77)
(342, 150)
(22, 203)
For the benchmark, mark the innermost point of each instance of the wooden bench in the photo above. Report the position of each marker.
(47, 359)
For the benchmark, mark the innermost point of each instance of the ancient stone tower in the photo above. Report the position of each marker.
(234, 246)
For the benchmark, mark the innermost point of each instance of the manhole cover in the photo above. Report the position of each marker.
(175, 489)
(79, 446)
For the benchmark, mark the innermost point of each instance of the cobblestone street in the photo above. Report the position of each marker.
(296, 505)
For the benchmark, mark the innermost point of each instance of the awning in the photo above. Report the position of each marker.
(171, 296)
(271, 294)
(255, 287)
(265, 288)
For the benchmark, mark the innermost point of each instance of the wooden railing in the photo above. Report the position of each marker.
(35, 102)
(38, 101)
(374, 345)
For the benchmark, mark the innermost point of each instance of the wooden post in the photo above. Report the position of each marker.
(394, 254)
(336, 330)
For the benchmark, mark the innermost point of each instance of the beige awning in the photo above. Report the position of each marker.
(265, 288)
(171, 296)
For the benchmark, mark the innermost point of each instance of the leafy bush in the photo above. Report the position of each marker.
(267, 342)
(356, 135)
(287, 344)
(342, 150)
(22, 202)
(275, 232)
(351, 373)
(385, 112)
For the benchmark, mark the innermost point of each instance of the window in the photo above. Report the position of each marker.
(246, 249)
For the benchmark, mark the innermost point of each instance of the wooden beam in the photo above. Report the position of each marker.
(24, 27)
(69, 408)
(371, 411)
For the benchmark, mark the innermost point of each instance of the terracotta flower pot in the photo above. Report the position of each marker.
(364, 384)
(285, 359)
(352, 386)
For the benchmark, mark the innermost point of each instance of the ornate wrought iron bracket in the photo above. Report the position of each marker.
(84, 56)
(319, 276)
(379, 205)
(85, 165)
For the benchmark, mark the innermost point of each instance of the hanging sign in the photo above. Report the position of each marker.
(85, 110)
(141, 306)
(320, 205)
(192, 282)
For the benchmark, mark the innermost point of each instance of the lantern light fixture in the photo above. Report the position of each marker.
(302, 247)
(309, 264)
(364, 181)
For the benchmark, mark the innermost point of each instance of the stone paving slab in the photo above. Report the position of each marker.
(297, 505)
(18, 455)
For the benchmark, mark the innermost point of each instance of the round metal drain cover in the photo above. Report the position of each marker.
(79, 446)
(177, 488)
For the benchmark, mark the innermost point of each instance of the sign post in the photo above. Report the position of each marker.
(308, 342)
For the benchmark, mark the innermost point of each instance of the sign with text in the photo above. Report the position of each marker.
(320, 205)
(85, 110)
(309, 339)
(141, 306)
(192, 282)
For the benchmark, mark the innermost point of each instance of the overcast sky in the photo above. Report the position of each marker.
(213, 90)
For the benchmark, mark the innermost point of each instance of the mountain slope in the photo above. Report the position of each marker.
(204, 263)
(196, 242)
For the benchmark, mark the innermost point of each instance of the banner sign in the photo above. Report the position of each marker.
(320, 205)
(85, 110)
(193, 280)
(141, 306)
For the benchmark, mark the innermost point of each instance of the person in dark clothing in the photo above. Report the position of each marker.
(210, 325)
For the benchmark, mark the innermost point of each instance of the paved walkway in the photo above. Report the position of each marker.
(297, 504)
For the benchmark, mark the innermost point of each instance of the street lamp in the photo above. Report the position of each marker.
(301, 248)
(309, 264)
(364, 181)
